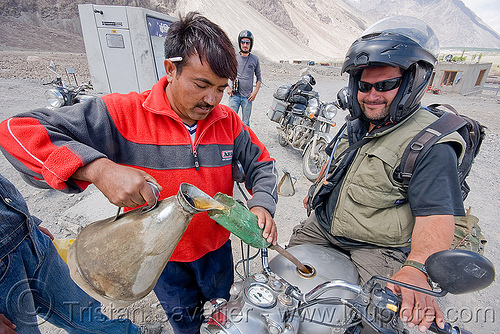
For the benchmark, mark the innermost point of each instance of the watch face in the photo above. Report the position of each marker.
(260, 295)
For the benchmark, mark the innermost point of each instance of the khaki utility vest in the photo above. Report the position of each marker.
(372, 207)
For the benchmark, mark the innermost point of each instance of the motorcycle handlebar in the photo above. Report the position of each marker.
(448, 329)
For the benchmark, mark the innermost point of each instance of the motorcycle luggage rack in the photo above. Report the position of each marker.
(72, 71)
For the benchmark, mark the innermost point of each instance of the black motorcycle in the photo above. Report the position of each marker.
(65, 95)
(304, 122)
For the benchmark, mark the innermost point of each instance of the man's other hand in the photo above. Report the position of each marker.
(266, 222)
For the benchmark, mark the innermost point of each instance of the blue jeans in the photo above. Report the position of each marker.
(34, 280)
(236, 101)
(184, 287)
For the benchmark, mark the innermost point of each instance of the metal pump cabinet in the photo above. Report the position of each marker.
(124, 46)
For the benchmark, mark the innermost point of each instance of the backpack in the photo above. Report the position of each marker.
(467, 231)
(470, 130)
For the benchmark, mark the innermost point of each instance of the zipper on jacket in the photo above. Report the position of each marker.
(196, 161)
(195, 144)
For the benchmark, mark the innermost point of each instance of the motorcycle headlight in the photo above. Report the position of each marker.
(54, 98)
(313, 103)
(330, 111)
(312, 106)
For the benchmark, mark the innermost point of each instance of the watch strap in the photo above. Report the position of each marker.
(416, 264)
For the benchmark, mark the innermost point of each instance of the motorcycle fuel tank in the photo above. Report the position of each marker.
(325, 264)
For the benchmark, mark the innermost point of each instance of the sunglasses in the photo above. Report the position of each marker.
(381, 86)
(245, 42)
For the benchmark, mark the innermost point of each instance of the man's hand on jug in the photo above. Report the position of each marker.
(266, 222)
(123, 186)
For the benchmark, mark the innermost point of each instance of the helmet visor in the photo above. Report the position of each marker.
(407, 26)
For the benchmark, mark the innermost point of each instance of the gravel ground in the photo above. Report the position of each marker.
(21, 89)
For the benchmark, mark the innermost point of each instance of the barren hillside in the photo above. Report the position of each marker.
(284, 29)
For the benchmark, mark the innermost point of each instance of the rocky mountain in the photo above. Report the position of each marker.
(321, 30)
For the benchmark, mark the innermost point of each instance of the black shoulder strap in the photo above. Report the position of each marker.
(423, 141)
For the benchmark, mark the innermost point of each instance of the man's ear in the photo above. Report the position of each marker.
(170, 69)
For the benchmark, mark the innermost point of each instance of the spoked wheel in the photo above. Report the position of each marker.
(313, 160)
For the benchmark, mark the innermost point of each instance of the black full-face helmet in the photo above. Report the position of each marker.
(398, 41)
(245, 34)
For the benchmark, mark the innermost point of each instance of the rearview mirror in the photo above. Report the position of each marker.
(238, 172)
(286, 185)
(52, 67)
(460, 271)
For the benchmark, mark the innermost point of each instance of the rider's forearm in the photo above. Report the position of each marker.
(430, 235)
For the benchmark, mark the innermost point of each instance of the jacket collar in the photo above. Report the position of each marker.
(157, 103)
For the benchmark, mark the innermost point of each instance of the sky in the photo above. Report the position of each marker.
(487, 10)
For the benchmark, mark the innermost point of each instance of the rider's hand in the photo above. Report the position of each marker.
(305, 200)
(229, 91)
(123, 186)
(417, 309)
(267, 223)
(6, 326)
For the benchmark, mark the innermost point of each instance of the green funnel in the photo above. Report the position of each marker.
(239, 221)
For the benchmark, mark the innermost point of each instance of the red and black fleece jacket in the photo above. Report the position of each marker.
(141, 130)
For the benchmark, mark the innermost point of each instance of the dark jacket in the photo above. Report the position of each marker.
(15, 219)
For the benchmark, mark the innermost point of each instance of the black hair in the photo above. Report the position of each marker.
(195, 34)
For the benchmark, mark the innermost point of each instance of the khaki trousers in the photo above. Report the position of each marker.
(370, 260)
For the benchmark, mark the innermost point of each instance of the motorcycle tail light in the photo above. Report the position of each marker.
(54, 98)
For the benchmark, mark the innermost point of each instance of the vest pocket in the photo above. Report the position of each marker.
(375, 217)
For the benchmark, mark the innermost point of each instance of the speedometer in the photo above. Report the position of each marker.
(260, 295)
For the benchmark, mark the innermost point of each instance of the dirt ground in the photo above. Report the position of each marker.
(21, 89)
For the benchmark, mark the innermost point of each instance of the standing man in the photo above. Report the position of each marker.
(34, 280)
(176, 132)
(242, 93)
(360, 205)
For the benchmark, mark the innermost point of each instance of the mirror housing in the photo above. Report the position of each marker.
(52, 67)
(238, 172)
(460, 271)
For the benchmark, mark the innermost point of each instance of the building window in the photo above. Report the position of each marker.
(449, 78)
(480, 77)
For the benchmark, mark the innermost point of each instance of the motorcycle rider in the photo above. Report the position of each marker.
(242, 94)
(360, 207)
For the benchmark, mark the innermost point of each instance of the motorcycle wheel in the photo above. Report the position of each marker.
(281, 139)
(314, 160)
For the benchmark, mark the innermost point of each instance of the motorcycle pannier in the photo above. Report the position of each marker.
(282, 92)
(277, 110)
